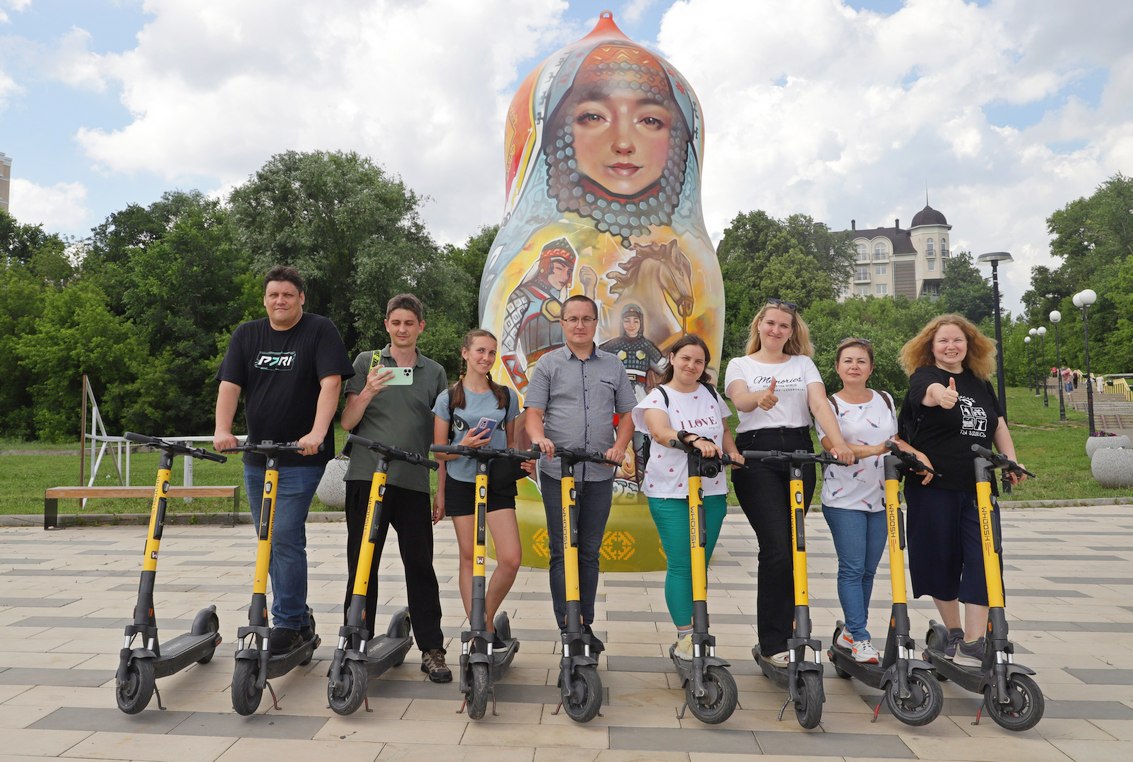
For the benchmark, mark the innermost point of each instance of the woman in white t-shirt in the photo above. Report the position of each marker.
(688, 408)
(776, 388)
(853, 499)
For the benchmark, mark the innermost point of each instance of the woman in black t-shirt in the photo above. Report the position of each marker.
(951, 406)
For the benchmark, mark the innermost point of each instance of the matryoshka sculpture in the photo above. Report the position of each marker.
(603, 149)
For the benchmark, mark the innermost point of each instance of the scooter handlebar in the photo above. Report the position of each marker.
(177, 447)
(999, 460)
(393, 453)
(267, 447)
(799, 457)
(579, 455)
(487, 453)
(910, 460)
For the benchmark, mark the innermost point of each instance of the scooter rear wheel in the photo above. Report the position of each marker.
(245, 695)
(213, 626)
(926, 699)
(808, 706)
(350, 692)
(719, 699)
(1025, 708)
(478, 700)
(133, 693)
(585, 699)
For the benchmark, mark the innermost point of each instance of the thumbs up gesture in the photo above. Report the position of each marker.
(768, 399)
(949, 396)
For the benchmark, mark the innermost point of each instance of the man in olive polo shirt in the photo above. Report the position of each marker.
(399, 416)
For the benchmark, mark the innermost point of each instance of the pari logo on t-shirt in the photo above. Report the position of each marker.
(973, 419)
(274, 361)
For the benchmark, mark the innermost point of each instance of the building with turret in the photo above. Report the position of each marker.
(900, 261)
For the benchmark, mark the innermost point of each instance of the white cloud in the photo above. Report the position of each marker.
(74, 64)
(635, 10)
(420, 87)
(61, 206)
(839, 114)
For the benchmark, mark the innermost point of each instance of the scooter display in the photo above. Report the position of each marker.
(802, 676)
(1010, 696)
(358, 655)
(710, 690)
(480, 662)
(579, 685)
(255, 663)
(911, 693)
(139, 667)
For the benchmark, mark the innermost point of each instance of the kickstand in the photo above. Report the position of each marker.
(784, 708)
(274, 700)
(463, 704)
(682, 710)
(979, 712)
(157, 693)
(366, 703)
(876, 711)
(557, 709)
(494, 712)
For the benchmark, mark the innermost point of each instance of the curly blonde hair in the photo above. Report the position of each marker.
(980, 359)
(798, 344)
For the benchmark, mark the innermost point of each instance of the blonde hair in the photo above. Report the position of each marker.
(797, 344)
(980, 359)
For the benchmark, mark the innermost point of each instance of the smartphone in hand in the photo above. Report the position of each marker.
(485, 424)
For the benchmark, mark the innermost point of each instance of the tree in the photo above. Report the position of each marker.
(355, 234)
(965, 291)
(795, 259)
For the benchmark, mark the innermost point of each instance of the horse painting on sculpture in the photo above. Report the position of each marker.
(658, 278)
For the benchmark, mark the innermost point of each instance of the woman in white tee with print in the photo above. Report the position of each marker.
(853, 499)
(775, 389)
(695, 414)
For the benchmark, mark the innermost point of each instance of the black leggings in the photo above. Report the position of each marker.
(763, 492)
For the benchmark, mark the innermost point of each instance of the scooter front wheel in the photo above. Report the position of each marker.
(808, 706)
(585, 699)
(245, 695)
(719, 699)
(133, 693)
(926, 699)
(1024, 708)
(348, 695)
(478, 700)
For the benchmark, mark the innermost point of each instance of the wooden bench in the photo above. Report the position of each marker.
(52, 495)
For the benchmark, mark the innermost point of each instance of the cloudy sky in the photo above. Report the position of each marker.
(1001, 111)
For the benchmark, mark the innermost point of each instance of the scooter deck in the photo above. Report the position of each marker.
(384, 652)
(502, 657)
(181, 651)
(777, 675)
(280, 664)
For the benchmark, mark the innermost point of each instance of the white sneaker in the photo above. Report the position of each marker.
(779, 660)
(845, 640)
(683, 648)
(864, 652)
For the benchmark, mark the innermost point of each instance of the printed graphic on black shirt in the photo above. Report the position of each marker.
(275, 360)
(974, 419)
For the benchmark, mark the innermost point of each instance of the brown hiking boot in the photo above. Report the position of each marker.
(433, 664)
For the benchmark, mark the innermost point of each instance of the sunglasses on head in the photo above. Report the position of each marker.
(789, 306)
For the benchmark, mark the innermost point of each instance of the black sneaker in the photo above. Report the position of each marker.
(498, 644)
(596, 645)
(955, 637)
(307, 633)
(283, 640)
(433, 664)
(970, 654)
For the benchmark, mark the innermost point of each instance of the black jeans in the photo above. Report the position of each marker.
(764, 494)
(411, 515)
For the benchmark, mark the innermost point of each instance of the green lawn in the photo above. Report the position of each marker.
(1053, 450)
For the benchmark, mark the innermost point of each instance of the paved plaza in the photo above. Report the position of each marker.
(66, 596)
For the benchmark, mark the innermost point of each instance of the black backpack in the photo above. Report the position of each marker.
(649, 440)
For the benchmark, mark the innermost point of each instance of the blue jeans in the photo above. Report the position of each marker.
(288, 569)
(593, 511)
(860, 539)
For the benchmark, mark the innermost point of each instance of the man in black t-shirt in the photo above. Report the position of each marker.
(290, 367)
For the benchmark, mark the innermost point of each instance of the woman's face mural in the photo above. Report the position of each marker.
(617, 143)
(603, 149)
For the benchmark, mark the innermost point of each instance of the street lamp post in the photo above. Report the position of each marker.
(1056, 318)
(1031, 334)
(1027, 346)
(1043, 373)
(1082, 300)
(994, 258)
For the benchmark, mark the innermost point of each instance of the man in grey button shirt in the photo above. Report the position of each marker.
(571, 401)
